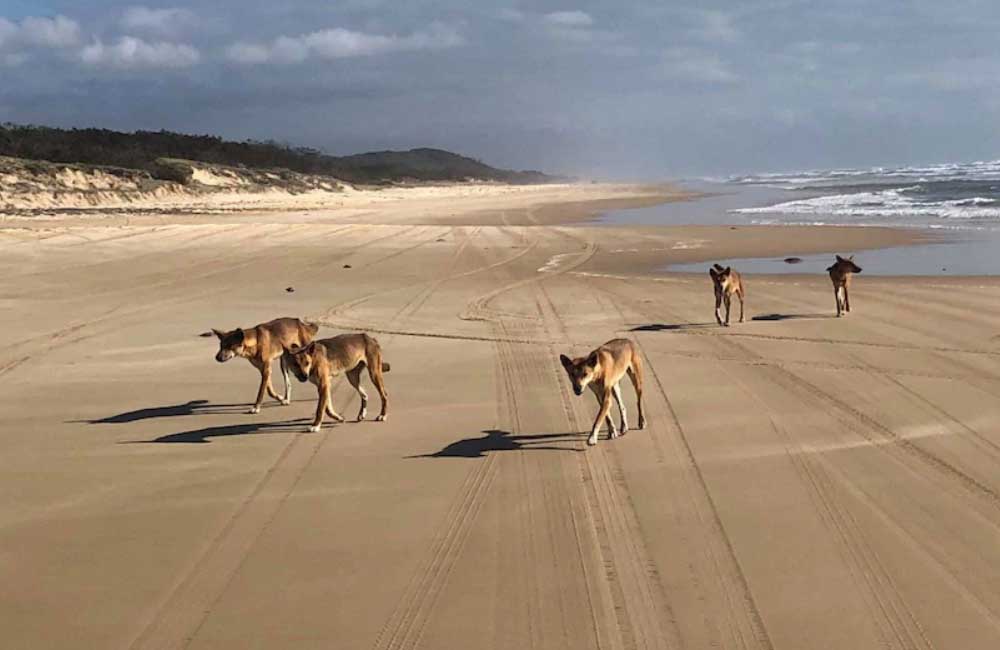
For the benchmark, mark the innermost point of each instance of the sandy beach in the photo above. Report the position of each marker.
(803, 481)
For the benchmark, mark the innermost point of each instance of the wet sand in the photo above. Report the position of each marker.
(803, 481)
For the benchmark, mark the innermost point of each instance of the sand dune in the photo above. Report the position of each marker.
(804, 481)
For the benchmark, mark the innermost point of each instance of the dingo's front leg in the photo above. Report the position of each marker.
(287, 374)
(322, 406)
(621, 409)
(265, 387)
(602, 414)
(270, 387)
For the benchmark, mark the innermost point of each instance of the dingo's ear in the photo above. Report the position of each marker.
(565, 361)
(718, 267)
(728, 270)
(712, 272)
(592, 359)
(839, 258)
(309, 348)
(850, 259)
(218, 333)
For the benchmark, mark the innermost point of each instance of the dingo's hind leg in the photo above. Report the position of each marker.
(354, 376)
(375, 374)
(635, 374)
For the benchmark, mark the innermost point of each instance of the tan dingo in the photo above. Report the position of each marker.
(727, 282)
(840, 275)
(262, 344)
(601, 371)
(322, 360)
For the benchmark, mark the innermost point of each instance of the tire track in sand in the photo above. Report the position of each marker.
(741, 624)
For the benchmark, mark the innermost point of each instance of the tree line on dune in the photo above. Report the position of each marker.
(146, 150)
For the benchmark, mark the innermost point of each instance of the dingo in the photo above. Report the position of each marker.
(840, 275)
(601, 371)
(322, 360)
(262, 344)
(727, 282)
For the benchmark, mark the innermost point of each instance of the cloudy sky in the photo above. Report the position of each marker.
(605, 88)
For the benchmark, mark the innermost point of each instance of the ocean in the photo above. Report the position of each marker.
(958, 201)
(949, 197)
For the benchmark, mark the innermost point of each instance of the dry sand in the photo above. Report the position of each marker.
(803, 481)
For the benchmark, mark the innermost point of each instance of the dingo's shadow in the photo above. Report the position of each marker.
(200, 436)
(497, 440)
(191, 407)
(672, 327)
(779, 317)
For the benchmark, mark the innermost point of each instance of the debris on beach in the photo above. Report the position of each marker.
(793, 260)
(290, 289)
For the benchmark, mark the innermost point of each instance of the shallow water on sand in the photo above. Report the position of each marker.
(946, 258)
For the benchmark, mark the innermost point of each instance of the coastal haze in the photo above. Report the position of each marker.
(803, 480)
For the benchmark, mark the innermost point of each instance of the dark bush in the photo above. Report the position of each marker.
(178, 171)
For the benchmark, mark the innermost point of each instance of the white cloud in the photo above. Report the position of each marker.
(39, 32)
(577, 28)
(165, 22)
(571, 27)
(569, 19)
(690, 64)
(339, 43)
(717, 26)
(55, 32)
(131, 53)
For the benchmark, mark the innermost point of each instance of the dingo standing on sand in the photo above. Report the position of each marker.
(727, 282)
(601, 371)
(840, 275)
(322, 360)
(262, 344)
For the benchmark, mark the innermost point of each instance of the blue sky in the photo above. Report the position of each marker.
(601, 88)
